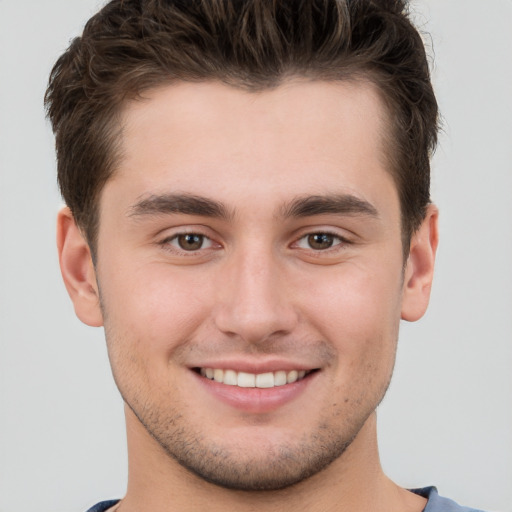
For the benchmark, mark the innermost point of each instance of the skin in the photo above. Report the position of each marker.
(257, 294)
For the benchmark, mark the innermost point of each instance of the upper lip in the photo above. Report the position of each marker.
(256, 367)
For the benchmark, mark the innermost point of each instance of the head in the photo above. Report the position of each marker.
(249, 176)
(133, 46)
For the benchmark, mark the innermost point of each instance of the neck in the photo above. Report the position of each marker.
(354, 482)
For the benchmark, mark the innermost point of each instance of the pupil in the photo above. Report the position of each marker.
(320, 241)
(190, 242)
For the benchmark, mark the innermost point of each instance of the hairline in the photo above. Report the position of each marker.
(113, 125)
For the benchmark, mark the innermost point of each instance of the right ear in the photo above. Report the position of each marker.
(77, 269)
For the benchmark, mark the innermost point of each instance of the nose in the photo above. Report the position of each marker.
(255, 303)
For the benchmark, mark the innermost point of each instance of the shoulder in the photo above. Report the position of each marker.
(103, 506)
(437, 503)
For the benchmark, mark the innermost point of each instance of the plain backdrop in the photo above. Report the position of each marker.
(447, 419)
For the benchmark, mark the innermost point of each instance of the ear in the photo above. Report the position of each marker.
(419, 270)
(78, 270)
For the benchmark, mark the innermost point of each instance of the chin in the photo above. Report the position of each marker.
(274, 471)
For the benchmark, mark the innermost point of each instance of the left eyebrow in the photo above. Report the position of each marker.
(337, 204)
(185, 204)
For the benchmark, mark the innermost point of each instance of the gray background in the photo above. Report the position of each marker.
(447, 419)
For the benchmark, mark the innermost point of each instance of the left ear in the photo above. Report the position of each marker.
(419, 270)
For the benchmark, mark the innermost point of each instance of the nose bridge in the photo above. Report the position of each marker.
(253, 302)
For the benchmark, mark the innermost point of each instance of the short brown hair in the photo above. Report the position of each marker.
(133, 45)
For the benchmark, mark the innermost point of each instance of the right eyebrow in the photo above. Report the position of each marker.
(337, 204)
(186, 204)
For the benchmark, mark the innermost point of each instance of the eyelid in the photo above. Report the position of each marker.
(343, 235)
(176, 237)
(341, 240)
(166, 244)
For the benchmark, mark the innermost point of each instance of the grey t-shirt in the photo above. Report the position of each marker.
(435, 503)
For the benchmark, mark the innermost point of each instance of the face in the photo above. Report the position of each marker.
(251, 276)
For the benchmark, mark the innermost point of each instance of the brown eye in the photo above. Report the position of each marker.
(190, 241)
(320, 241)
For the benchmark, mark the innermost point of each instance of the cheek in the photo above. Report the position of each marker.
(356, 300)
(152, 313)
(359, 314)
(154, 294)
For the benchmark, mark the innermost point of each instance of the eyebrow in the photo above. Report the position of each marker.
(338, 204)
(186, 204)
(305, 206)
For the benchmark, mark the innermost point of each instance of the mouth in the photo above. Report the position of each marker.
(262, 391)
(253, 380)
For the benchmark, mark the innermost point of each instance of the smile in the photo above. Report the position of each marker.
(252, 380)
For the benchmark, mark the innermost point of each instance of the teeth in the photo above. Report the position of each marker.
(292, 376)
(251, 380)
(280, 378)
(230, 378)
(265, 380)
(246, 380)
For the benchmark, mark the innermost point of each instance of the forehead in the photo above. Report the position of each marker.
(303, 137)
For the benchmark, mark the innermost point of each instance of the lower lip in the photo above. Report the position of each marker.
(256, 400)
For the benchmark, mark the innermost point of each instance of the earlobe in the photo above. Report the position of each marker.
(419, 270)
(77, 270)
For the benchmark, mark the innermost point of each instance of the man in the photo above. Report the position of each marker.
(248, 216)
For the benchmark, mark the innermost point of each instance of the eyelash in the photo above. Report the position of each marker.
(167, 243)
(338, 243)
(341, 241)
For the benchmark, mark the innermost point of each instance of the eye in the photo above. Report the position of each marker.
(190, 242)
(319, 241)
